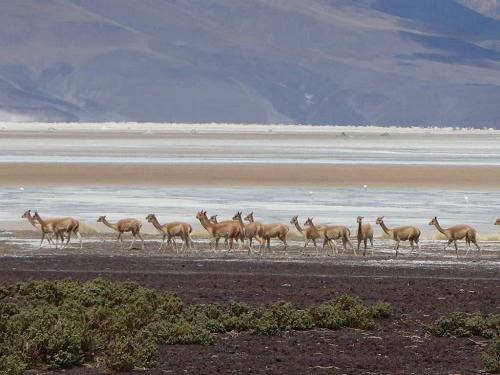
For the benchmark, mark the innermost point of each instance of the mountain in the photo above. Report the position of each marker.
(490, 8)
(386, 62)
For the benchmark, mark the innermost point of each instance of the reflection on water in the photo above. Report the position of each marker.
(336, 205)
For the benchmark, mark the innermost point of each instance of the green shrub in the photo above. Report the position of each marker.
(460, 324)
(64, 323)
(380, 310)
(344, 311)
(491, 357)
(12, 364)
(237, 309)
(289, 318)
(120, 355)
(265, 325)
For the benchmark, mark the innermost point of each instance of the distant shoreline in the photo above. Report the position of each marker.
(251, 174)
(210, 128)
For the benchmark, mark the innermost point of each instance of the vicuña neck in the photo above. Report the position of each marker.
(156, 224)
(206, 223)
(108, 224)
(384, 227)
(42, 223)
(439, 227)
(297, 225)
(32, 221)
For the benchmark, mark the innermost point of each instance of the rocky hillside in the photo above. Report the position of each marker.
(387, 62)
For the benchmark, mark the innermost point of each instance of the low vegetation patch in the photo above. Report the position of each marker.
(491, 357)
(460, 324)
(119, 326)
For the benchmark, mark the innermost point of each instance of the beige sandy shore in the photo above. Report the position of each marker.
(293, 175)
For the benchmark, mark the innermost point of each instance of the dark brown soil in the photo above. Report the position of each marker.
(398, 345)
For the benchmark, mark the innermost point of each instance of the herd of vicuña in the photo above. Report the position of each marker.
(56, 230)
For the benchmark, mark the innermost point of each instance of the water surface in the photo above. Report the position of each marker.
(336, 205)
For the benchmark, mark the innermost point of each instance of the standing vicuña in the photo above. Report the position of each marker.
(228, 230)
(172, 230)
(241, 228)
(45, 235)
(457, 232)
(310, 233)
(60, 227)
(124, 225)
(407, 233)
(249, 231)
(254, 229)
(365, 233)
(269, 231)
(331, 233)
(240, 237)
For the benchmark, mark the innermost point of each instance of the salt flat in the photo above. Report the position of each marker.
(236, 143)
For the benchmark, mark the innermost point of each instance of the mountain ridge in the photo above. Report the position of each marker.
(386, 62)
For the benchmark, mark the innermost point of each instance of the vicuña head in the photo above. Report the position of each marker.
(237, 215)
(294, 220)
(380, 219)
(150, 218)
(249, 217)
(213, 219)
(201, 215)
(101, 219)
(434, 221)
(359, 219)
(26, 215)
(309, 221)
(497, 222)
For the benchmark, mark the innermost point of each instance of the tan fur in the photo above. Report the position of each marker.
(122, 226)
(331, 233)
(241, 229)
(254, 229)
(310, 233)
(457, 232)
(497, 222)
(229, 230)
(172, 230)
(60, 227)
(365, 233)
(274, 230)
(239, 238)
(249, 231)
(45, 235)
(398, 234)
